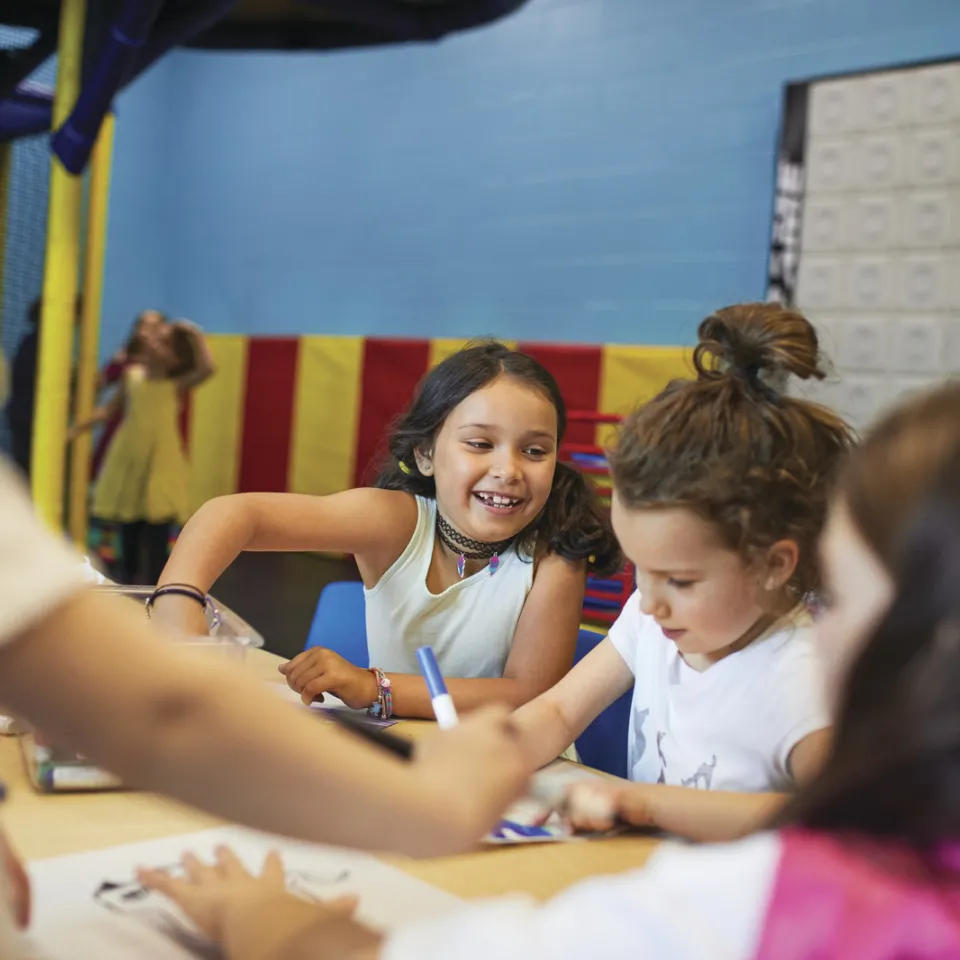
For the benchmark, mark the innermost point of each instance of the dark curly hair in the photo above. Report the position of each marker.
(732, 446)
(572, 523)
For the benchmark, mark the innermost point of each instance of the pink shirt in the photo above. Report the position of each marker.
(860, 900)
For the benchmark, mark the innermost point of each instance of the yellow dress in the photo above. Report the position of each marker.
(145, 473)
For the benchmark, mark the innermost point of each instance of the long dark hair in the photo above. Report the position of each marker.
(572, 523)
(895, 767)
(732, 446)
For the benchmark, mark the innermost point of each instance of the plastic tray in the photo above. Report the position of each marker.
(232, 634)
(54, 769)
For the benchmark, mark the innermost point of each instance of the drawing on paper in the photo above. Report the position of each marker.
(132, 899)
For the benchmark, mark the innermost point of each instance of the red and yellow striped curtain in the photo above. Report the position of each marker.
(310, 414)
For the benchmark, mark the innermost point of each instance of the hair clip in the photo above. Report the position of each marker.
(404, 468)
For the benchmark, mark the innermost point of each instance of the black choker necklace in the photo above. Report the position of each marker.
(467, 549)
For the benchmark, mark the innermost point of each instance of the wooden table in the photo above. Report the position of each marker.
(43, 825)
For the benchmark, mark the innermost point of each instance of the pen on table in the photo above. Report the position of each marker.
(398, 746)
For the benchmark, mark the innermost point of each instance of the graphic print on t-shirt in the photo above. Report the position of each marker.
(640, 744)
(703, 777)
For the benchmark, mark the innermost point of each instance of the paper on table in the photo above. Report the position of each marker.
(90, 905)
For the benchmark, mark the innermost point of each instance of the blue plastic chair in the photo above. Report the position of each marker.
(603, 745)
(340, 622)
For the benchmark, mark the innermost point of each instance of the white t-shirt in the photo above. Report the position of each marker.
(730, 727)
(688, 903)
(38, 572)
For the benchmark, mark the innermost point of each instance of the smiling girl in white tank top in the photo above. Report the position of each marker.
(475, 540)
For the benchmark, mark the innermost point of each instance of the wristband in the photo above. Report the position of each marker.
(382, 707)
(184, 590)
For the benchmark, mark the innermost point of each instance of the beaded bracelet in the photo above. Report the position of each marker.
(382, 707)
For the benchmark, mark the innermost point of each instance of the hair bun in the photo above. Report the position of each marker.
(759, 343)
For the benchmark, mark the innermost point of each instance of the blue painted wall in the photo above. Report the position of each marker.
(141, 238)
(594, 170)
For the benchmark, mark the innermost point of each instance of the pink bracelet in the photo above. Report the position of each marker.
(382, 707)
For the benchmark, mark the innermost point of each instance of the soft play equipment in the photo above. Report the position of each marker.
(129, 35)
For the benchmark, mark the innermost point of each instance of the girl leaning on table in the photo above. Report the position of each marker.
(865, 862)
(167, 722)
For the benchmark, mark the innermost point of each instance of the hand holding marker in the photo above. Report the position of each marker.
(543, 787)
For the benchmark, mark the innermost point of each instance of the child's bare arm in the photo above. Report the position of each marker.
(707, 816)
(186, 731)
(373, 525)
(101, 414)
(204, 366)
(549, 724)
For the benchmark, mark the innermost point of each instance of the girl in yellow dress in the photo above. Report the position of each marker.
(143, 484)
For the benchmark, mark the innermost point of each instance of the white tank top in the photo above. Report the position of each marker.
(470, 625)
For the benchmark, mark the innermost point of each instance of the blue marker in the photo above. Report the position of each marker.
(443, 708)
(544, 787)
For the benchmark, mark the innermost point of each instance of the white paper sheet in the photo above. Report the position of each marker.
(76, 916)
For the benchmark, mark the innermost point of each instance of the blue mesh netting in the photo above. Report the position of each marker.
(26, 224)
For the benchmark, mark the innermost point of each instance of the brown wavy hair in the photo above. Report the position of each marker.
(733, 446)
(894, 770)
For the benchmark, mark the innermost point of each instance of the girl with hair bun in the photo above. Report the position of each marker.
(720, 493)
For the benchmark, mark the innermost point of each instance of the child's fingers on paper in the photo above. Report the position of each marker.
(196, 870)
(161, 881)
(273, 868)
(229, 866)
(20, 883)
(301, 661)
(294, 666)
(344, 906)
(315, 689)
(591, 806)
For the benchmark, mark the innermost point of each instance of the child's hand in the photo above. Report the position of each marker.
(221, 896)
(18, 882)
(597, 807)
(478, 768)
(318, 671)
